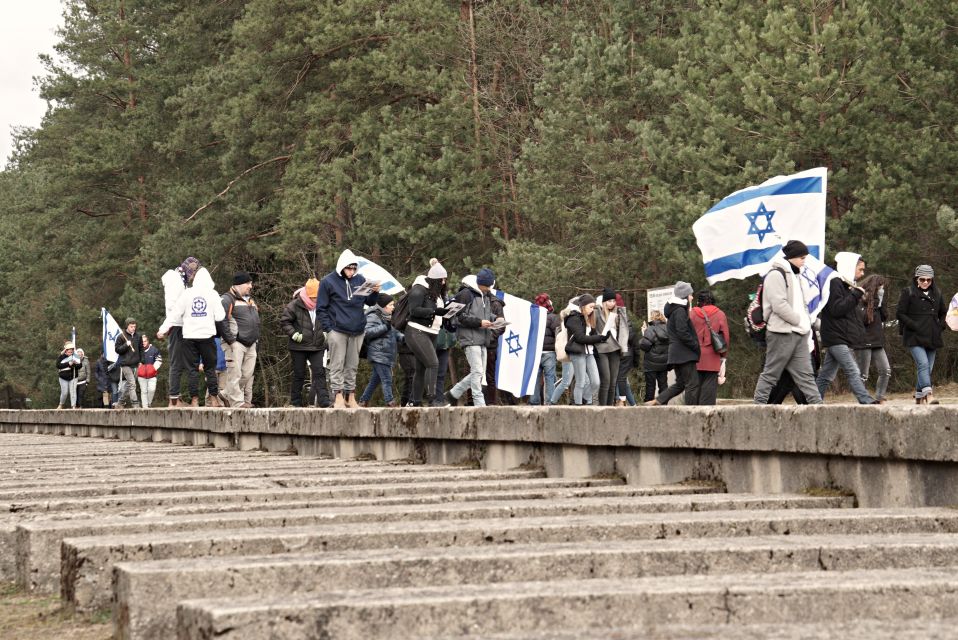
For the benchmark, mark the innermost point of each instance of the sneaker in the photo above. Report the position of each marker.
(451, 399)
(442, 401)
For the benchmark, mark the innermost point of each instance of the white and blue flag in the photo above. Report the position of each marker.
(816, 278)
(373, 272)
(520, 346)
(740, 235)
(111, 331)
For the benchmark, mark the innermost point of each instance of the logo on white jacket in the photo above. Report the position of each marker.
(199, 308)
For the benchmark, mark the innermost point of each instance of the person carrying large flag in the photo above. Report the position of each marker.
(788, 326)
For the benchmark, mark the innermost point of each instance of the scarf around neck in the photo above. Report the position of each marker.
(309, 303)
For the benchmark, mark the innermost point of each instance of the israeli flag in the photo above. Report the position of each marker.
(520, 346)
(740, 235)
(372, 271)
(111, 331)
(816, 278)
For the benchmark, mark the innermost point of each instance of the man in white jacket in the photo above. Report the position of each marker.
(175, 282)
(199, 311)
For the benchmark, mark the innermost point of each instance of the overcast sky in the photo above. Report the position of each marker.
(27, 30)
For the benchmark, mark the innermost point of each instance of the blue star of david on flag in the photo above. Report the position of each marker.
(514, 349)
(753, 217)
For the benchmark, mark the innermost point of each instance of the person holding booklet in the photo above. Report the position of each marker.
(340, 309)
(476, 321)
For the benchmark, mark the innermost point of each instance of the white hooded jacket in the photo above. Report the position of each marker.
(197, 309)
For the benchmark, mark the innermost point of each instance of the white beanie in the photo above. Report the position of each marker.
(436, 271)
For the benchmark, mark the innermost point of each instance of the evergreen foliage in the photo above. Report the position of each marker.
(569, 145)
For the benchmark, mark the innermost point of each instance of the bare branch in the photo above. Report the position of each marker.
(234, 181)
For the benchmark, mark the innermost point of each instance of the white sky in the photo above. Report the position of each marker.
(26, 31)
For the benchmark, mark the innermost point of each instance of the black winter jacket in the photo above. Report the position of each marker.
(874, 331)
(841, 322)
(553, 325)
(683, 342)
(295, 319)
(129, 348)
(67, 370)
(422, 306)
(655, 344)
(580, 334)
(922, 317)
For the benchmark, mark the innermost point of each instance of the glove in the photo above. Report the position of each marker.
(297, 337)
(605, 337)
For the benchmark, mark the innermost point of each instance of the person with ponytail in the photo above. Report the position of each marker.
(425, 301)
(874, 312)
(306, 343)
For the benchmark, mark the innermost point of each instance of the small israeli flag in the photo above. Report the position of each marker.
(373, 272)
(111, 331)
(816, 278)
(520, 346)
(740, 235)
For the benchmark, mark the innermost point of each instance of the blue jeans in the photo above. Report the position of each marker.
(568, 375)
(925, 362)
(840, 355)
(476, 357)
(382, 375)
(548, 365)
(586, 378)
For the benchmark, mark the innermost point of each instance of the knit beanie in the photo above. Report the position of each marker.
(924, 271)
(128, 322)
(608, 294)
(188, 269)
(312, 288)
(486, 277)
(584, 299)
(543, 301)
(682, 290)
(436, 270)
(383, 300)
(794, 249)
(241, 277)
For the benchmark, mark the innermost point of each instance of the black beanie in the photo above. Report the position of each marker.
(794, 249)
(608, 294)
(383, 300)
(241, 277)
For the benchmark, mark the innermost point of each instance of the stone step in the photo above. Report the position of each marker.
(86, 563)
(577, 605)
(145, 594)
(348, 477)
(38, 543)
(83, 509)
(156, 500)
(907, 629)
(203, 470)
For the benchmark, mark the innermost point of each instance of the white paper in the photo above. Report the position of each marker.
(365, 288)
(452, 309)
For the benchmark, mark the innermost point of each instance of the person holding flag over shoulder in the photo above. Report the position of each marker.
(788, 326)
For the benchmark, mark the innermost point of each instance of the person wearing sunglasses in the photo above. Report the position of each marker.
(921, 317)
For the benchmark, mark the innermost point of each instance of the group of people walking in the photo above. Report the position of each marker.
(331, 324)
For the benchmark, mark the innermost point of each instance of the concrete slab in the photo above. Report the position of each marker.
(38, 543)
(578, 605)
(146, 593)
(86, 563)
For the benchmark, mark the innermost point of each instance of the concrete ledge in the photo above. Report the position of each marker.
(887, 456)
(581, 605)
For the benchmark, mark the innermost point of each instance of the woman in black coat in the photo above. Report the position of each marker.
(307, 342)
(655, 344)
(921, 315)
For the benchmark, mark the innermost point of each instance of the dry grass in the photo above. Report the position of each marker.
(27, 617)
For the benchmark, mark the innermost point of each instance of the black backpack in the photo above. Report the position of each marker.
(755, 320)
(400, 316)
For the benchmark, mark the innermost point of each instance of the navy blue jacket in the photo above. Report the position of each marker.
(338, 309)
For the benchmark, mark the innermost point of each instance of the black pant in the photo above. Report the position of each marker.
(81, 390)
(407, 362)
(687, 380)
(707, 389)
(608, 375)
(175, 340)
(318, 391)
(193, 352)
(442, 355)
(427, 364)
(661, 378)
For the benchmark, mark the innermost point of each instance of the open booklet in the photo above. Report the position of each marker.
(499, 323)
(365, 288)
(452, 308)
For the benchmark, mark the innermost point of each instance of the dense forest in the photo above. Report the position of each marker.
(569, 145)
